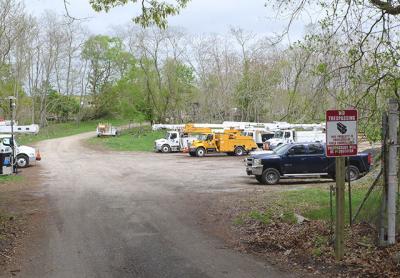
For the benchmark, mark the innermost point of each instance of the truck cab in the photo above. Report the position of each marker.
(170, 143)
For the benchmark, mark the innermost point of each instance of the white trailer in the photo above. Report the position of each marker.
(106, 130)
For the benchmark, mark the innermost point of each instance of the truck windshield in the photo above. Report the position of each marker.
(167, 136)
(278, 134)
(282, 149)
(202, 137)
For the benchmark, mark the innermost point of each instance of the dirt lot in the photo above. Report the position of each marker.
(119, 214)
(98, 213)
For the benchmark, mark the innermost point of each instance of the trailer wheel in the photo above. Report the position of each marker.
(165, 149)
(22, 161)
(270, 176)
(200, 152)
(239, 151)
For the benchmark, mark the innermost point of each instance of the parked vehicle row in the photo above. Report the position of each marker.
(284, 153)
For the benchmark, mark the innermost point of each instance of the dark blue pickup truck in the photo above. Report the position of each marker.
(302, 160)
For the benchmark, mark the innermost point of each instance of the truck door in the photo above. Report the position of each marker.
(288, 137)
(173, 137)
(317, 161)
(295, 161)
(210, 143)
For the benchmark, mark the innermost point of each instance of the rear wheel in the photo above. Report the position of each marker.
(200, 152)
(270, 176)
(353, 171)
(239, 151)
(165, 149)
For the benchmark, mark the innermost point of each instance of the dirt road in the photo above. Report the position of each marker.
(126, 215)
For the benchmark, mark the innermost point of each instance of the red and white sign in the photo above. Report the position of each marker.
(341, 132)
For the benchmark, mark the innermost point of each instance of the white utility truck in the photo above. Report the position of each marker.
(25, 155)
(292, 136)
(259, 135)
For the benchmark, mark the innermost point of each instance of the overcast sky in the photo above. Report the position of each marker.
(200, 17)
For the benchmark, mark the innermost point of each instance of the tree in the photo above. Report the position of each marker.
(152, 12)
(108, 62)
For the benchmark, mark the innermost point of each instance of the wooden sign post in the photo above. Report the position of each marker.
(341, 142)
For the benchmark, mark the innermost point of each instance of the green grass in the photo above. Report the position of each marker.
(11, 178)
(136, 139)
(314, 203)
(65, 129)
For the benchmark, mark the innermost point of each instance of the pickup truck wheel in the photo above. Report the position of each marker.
(354, 173)
(239, 151)
(270, 176)
(200, 152)
(22, 161)
(165, 149)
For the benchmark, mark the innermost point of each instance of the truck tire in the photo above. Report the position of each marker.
(22, 161)
(200, 152)
(239, 151)
(270, 176)
(354, 173)
(165, 149)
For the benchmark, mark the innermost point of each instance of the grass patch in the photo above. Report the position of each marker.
(65, 129)
(314, 203)
(135, 139)
(11, 178)
(263, 217)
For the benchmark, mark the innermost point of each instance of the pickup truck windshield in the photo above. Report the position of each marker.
(281, 149)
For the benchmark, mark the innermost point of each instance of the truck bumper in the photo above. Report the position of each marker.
(254, 170)
(33, 160)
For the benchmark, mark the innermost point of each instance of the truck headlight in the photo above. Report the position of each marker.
(256, 162)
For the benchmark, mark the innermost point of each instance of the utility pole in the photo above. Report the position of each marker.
(12, 109)
(392, 170)
(340, 204)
